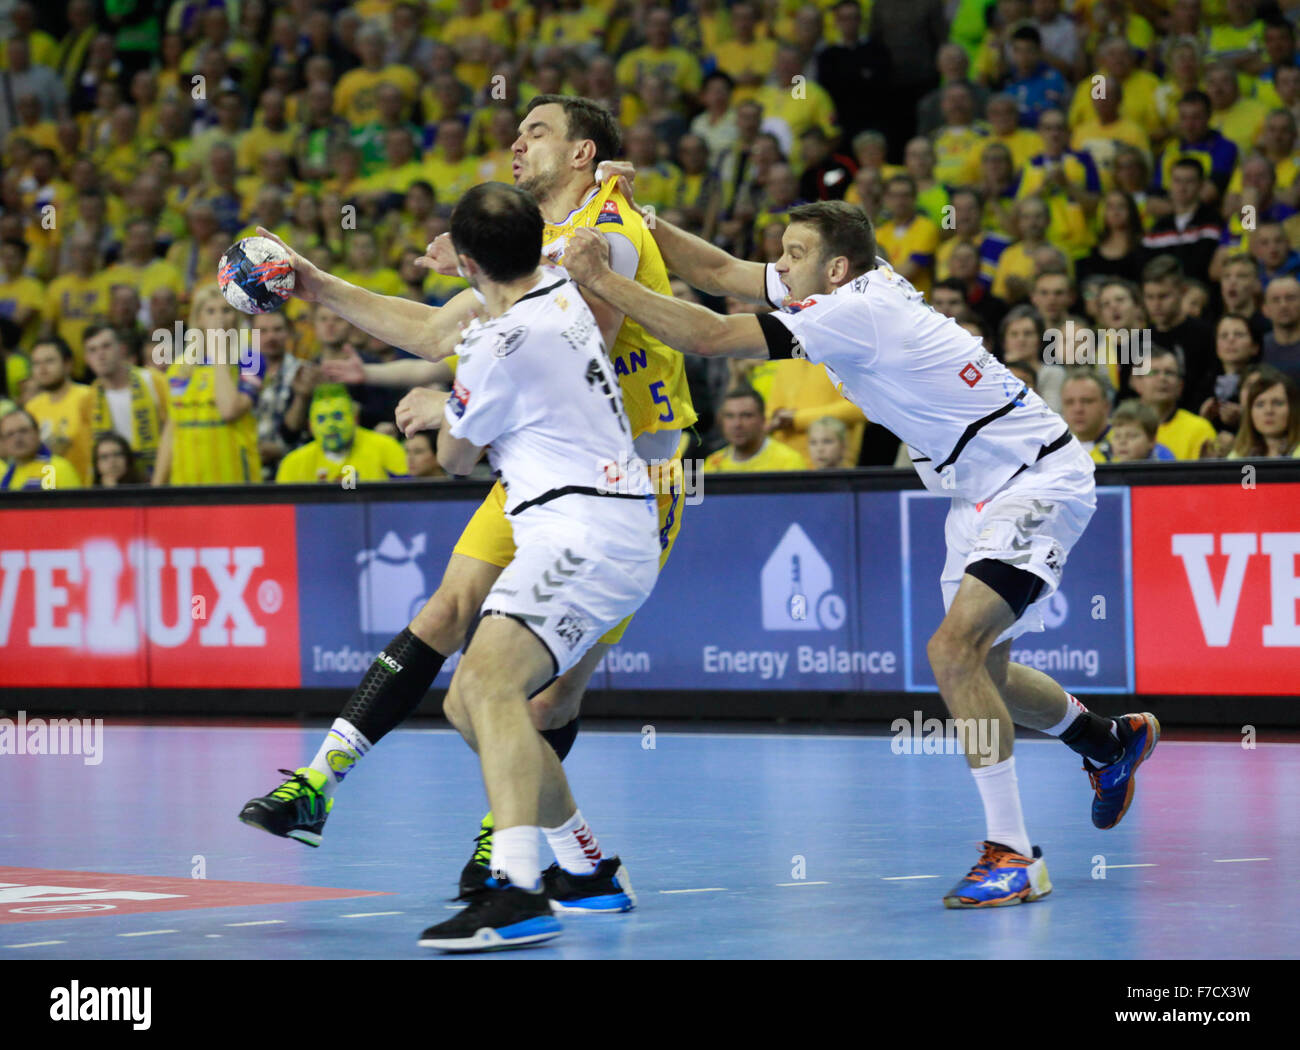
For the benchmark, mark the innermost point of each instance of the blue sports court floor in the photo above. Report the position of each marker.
(739, 846)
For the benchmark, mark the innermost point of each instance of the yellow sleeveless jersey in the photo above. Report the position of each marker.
(206, 450)
(651, 374)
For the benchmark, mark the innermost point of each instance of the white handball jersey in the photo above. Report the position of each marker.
(969, 423)
(536, 387)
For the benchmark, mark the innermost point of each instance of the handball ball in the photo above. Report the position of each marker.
(255, 275)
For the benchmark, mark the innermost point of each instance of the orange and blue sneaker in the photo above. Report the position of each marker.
(1113, 785)
(1001, 877)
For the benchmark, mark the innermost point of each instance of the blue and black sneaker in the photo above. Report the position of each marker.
(606, 889)
(1114, 785)
(499, 916)
(1001, 877)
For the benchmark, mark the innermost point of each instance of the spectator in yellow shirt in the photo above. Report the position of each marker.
(746, 57)
(471, 22)
(355, 96)
(139, 267)
(1240, 120)
(1115, 58)
(63, 408)
(802, 396)
(1183, 433)
(448, 166)
(910, 238)
(30, 465)
(364, 266)
(77, 298)
(341, 449)
(660, 56)
(748, 446)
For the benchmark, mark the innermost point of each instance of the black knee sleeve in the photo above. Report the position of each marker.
(1017, 587)
(561, 740)
(393, 686)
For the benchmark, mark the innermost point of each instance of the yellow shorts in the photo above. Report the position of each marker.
(488, 536)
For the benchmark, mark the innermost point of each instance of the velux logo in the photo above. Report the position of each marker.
(75, 1003)
(796, 584)
(1217, 611)
(105, 624)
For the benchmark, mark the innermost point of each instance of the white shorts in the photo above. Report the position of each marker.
(1032, 523)
(570, 597)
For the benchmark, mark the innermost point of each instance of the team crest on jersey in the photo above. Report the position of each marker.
(970, 375)
(609, 213)
(459, 399)
(510, 342)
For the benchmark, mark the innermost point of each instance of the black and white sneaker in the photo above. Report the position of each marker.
(606, 889)
(500, 916)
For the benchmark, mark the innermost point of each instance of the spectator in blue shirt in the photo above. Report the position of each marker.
(1035, 85)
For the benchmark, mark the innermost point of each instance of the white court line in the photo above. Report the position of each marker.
(34, 944)
(803, 883)
(212, 935)
(702, 889)
(1241, 860)
(1109, 866)
(260, 922)
(904, 878)
(147, 933)
(368, 914)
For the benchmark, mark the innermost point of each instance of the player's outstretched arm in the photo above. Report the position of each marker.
(699, 263)
(400, 375)
(687, 327)
(414, 327)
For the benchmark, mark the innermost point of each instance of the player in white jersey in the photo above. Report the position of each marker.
(1021, 486)
(535, 388)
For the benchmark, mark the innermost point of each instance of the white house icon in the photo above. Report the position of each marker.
(390, 584)
(793, 581)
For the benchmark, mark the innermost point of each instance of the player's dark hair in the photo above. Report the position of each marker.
(59, 343)
(748, 393)
(500, 228)
(586, 120)
(845, 229)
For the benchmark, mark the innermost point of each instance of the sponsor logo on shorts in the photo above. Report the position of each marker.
(572, 627)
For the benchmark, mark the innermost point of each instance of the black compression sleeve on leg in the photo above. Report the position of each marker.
(561, 740)
(1090, 736)
(1019, 588)
(393, 686)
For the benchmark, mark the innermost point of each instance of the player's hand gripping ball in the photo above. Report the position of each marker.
(255, 275)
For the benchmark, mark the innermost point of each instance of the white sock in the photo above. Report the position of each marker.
(1073, 709)
(515, 854)
(1000, 792)
(344, 746)
(575, 845)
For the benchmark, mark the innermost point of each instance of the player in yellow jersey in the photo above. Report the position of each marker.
(562, 140)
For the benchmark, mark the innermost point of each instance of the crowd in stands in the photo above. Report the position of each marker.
(1106, 193)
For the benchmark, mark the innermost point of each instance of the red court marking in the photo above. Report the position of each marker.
(33, 894)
